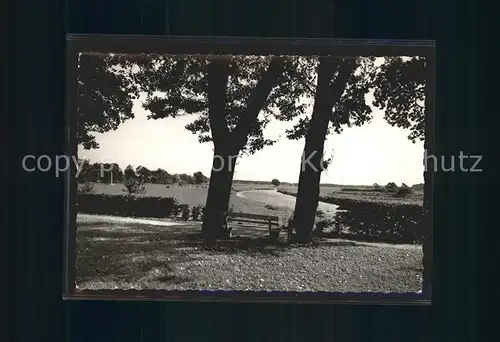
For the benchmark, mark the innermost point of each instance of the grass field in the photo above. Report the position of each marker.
(192, 195)
(196, 195)
(364, 194)
(131, 255)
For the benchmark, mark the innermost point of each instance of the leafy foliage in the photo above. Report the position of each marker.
(105, 96)
(400, 91)
(87, 188)
(351, 109)
(134, 184)
(197, 212)
(128, 206)
(275, 182)
(179, 85)
(199, 178)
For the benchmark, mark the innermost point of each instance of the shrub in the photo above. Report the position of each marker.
(380, 222)
(87, 188)
(185, 211)
(321, 225)
(197, 212)
(320, 213)
(134, 186)
(125, 205)
(391, 187)
(404, 190)
(418, 187)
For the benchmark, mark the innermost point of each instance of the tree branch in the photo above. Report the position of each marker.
(345, 70)
(307, 86)
(256, 101)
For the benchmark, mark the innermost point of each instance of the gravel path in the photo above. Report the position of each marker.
(130, 255)
(330, 268)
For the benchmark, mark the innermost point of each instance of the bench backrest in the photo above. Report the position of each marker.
(257, 217)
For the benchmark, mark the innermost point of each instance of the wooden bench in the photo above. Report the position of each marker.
(272, 222)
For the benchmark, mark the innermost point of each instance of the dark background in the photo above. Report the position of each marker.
(34, 201)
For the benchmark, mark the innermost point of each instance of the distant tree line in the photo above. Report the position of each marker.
(112, 173)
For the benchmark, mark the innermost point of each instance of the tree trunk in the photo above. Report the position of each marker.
(228, 144)
(219, 193)
(310, 174)
(327, 95)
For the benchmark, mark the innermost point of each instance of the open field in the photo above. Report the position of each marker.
(416, 197)
(196, 195)
(128, 254)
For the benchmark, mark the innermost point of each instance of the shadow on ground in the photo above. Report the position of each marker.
(125, 254)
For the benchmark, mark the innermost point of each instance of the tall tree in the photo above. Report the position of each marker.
(402, 88)
(184, 178)
(199, 177)
(161, 176)
(226, 94)
(339, 100)
(104, 100)
(144, 173)
(133, 182)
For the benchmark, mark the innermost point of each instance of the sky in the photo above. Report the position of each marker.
(373, 153)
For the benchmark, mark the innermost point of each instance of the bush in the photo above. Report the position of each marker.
(418, 187)
(404, 190)
(134, 186)
(376, 222)
(197, 212)
(381, 222)
(321, 225)
(391, 187)
(320, 213)
(125, 205)
(87, 188)
(185, 211)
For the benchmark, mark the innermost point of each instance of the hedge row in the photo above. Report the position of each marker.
(125, 205)
(381, 222)
(373, 221)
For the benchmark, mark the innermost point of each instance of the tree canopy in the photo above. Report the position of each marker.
(179, 85)
(400, 91)
(398, 85)
(105, 96)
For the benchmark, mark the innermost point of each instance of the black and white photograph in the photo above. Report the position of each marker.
(251, 172)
